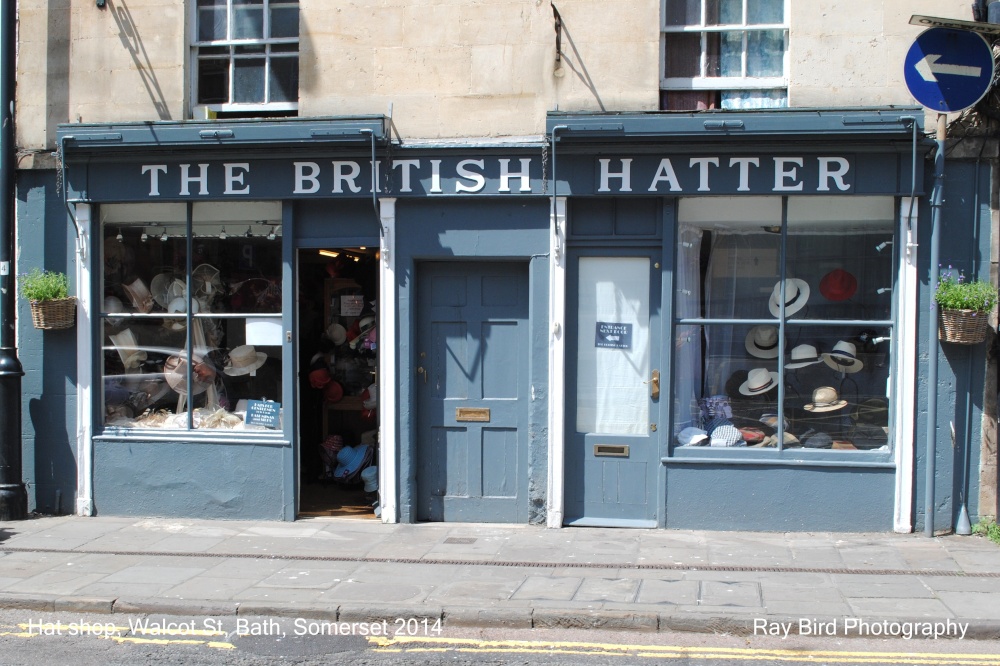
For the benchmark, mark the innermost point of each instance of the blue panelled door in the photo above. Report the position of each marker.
(472, 391)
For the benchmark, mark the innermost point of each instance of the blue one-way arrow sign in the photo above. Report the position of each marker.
(948, 70)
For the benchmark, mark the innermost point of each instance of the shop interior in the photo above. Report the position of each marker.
(338, 369)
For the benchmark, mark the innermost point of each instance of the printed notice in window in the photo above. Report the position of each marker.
(613, 336)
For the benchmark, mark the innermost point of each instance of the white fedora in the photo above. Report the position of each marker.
(796, 295)
(762, 342)
(825, 399)
(843, 358)
(759, 381)
(802, 356)
(243, 360)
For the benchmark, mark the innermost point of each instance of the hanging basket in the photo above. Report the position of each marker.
(54, 314)
(963, 327)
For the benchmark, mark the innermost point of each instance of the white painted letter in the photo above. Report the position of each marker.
(463, 172)
(306, 183)
(407, 167)
(187, 179)
(625, 174)
(233, 178)
(703, 163)
(826, 173)
(665, 172)
(781, 174)
(339, 177)
(376, 174)
(435, 176)
(154, 177)
(744, 163)
(523, 174)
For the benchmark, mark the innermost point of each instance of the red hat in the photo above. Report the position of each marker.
(319, 378)
(368, 415)
(333, 392)
(838, 285)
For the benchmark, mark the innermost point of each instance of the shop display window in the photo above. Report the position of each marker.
(784, 323)
(191, 281)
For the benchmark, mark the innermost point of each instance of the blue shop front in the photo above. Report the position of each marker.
(638, 320)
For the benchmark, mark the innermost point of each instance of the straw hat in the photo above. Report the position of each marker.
(762, 342)
(803, 355)
(139, 294)
(796, 295)
(243, 360)
(843, 358)
(825, 399)
(759, 381)
(127, 347)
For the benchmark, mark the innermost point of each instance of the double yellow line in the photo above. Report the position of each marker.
(116, 633)
(416, 644)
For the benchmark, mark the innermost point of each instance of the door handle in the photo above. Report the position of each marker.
(421, 371)
(654, 388)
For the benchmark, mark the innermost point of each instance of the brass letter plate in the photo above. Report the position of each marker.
(481, 414)
(614, 450)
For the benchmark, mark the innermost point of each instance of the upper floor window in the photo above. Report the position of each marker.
(724, 54)
(246, 55)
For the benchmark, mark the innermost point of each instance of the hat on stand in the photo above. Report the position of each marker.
(838, 285)
(803, 355)
(843, 358)
(243, 360)
(762, 342)
(165, 288)
(796, 295)
(825, 399)
(759, 381)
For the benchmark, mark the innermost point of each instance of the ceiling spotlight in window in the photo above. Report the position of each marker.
(881, 246)
(144, 237)
(163, 236)
(271, 235)
(119, 236)
(222, 234)
(249, 233)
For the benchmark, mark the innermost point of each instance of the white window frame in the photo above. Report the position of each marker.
(207, 110)
(722, 83)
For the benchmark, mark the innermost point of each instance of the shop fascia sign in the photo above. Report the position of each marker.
(424, 176)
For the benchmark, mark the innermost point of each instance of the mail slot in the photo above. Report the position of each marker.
(481, 414)
(612, 450)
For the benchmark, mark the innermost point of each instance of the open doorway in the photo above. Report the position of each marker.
(338, 367)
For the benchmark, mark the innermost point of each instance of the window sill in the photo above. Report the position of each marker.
(788, 458)
(242, 437)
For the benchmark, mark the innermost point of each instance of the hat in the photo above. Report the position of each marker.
(112, 305)
(207, 283)
(365, 324)
(127, 347)
(874, 411)
(175, 372)
(369, 397)
(333, 392)
(350, 460)
(139, 294)
(843, 358)
(243, 360)
(692, 436)
(762, 342)
(179, 305)
(336, 333)
(759, 381)
(825, 399)
(319, 378)
(723, 433)
(796, 295)
(803, 355)
(165, 288)
(838, 285)
(752, 435)
(772, 441)
(813, 439)
(368, 415)
(370, 477)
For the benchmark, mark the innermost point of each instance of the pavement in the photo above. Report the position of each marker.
(515, 576)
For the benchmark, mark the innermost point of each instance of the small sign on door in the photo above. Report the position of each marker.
(613, 336)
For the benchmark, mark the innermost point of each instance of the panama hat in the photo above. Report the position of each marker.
(838, 285)
(759, 381)
(175, 373)
(843, 358)
(127, 347)
(692, 436)
(365, 324)
(762, 342)
(336, 333)
(803, 355)
(243, 360)
(139, 294)
(825, 399)
(796, 295)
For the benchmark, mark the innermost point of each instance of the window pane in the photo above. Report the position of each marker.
(765, 11)
(765, 53)
(249, 49)
(248, 80)
(683, 53)
(712, 64)
(211, 24)
(730, 12)
(213, 81)
(248, 23)
(754, 99)
(683, 12)
(285, 21)
(284, 80)
(731, 56)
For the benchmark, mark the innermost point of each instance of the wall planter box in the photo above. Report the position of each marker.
(54, 314)
(963, 327)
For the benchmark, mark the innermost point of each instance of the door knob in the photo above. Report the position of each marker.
(421, 371)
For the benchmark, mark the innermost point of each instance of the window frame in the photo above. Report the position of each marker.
(719, 83)
(231, 57)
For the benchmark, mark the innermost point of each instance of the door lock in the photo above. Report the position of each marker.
(652, 427)
(421, 371)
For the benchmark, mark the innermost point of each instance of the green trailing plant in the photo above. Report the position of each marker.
(989, 529)
(954, 292)
(39, 285)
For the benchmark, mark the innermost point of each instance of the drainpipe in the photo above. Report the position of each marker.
(13, 495)
(932, 327)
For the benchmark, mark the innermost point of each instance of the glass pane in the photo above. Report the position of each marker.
(683, 55)
(284, 80)
(248, 22)
(754, 99)
(613, 345)
(249, 49)
(712, 63)
(730, 12)
(682, 12)
(731, 54)
(285, 21)
(765, 53)
(765, 11)
(213, 81)
(211, 24)
(248, 80)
